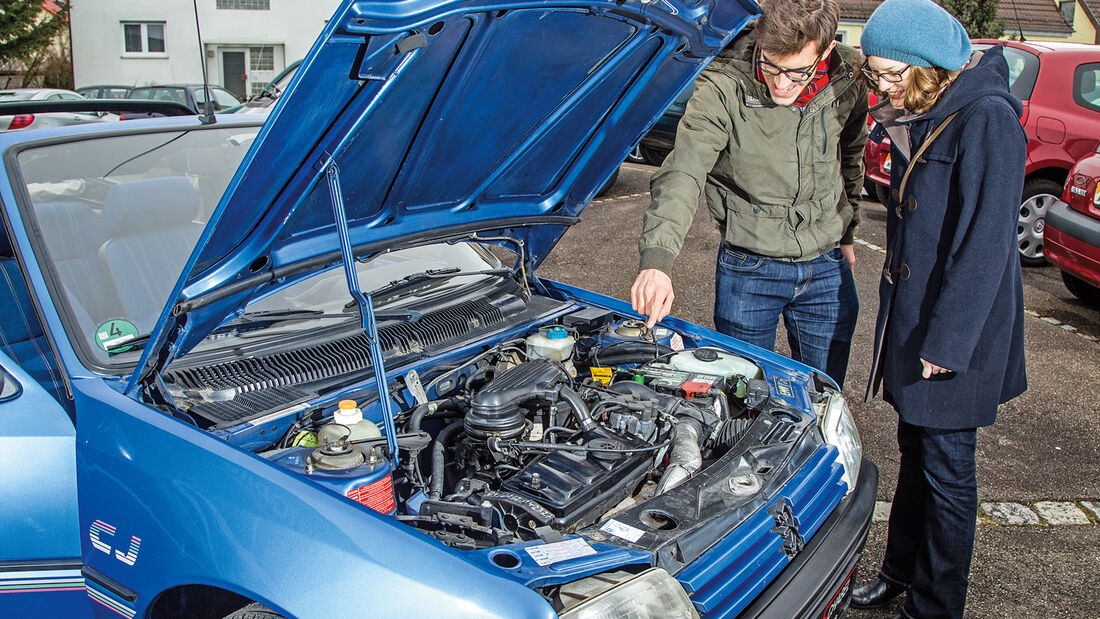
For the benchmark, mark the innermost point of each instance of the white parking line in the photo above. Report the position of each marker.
(1027, 310)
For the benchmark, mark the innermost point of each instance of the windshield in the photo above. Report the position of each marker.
(119, 216)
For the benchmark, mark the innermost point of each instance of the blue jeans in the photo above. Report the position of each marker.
(930, 537)
(816, 298)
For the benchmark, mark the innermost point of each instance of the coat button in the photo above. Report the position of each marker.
(904, 272)
(886, 274)
(756, 209)
(898, 210)
(912, 202)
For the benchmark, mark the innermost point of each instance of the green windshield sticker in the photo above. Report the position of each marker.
(114, 332)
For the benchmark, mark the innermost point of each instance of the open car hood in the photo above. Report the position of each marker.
(436, 117)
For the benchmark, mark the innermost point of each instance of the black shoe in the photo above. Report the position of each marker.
(875, 594)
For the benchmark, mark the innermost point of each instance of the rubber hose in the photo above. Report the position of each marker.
(580, 409)
(435, 489)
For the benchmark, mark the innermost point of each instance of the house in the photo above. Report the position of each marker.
(245, 43)
(1038, 20)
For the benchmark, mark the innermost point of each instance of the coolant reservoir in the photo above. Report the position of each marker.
(715, 363)
(348, 424)
(554, 343)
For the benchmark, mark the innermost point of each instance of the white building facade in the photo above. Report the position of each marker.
(148, 42)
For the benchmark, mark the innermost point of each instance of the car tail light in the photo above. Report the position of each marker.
(1023, 115)
(21, 120)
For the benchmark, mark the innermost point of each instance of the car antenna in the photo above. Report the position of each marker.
(207, 116)
(1019, 27)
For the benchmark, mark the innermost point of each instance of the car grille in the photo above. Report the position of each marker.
(725, 579)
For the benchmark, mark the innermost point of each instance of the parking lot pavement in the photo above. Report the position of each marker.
(1042, 457)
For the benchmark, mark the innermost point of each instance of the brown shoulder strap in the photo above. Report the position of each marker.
(928, 142)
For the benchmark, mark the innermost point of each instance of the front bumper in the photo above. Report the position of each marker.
(1071, 240)
(819, 581)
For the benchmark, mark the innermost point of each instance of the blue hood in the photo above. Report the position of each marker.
(441, 117)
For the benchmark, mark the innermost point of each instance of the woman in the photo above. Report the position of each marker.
(949, 335)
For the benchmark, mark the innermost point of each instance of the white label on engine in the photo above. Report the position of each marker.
(560, 551)
(677, 342)
(623, 530)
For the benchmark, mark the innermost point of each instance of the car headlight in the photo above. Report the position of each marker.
(653, 593)
(839, 430)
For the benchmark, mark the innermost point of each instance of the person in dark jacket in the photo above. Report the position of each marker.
(949, 343)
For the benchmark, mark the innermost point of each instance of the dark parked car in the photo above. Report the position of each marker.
(661, 137)
(304, 361)
(191, 95)
(105, 91)
(1059, 84)
(263, 101)
(1073, 230)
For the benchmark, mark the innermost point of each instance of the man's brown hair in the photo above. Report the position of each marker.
(786, 26)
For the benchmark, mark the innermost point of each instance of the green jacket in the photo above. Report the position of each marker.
(780, 181)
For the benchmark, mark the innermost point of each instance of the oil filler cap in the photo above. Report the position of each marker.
(705, 354)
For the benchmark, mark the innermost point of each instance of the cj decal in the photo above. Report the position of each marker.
(101, 530)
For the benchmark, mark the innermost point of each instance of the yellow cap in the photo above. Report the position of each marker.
(347, 404)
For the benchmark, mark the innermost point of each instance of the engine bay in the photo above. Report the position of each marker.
(581, 418)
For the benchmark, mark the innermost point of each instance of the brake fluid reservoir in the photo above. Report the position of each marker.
(554, 343)
(348, 424)
(715, 363)
(343, 469)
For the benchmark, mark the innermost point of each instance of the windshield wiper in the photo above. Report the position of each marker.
(415, 279)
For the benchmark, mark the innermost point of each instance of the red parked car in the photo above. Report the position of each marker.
(1059, 84)
(1073, 230)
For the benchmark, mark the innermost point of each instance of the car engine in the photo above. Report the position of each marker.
(557, 430)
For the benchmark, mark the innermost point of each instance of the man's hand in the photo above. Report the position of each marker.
(849, 252)
(932, 368)
(652, 295)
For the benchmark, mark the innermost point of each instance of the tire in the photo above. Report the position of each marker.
(254, 610)
(635, 155)
(882, 194)
(1081, 289)
(1039, 194)
(653, 156)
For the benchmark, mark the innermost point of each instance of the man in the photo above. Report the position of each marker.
(774, 133)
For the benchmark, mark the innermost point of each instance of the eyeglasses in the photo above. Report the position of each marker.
(891, 77)
(801, 74)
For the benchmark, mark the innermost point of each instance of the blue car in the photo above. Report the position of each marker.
(302, 365)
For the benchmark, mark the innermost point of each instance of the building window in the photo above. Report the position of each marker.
(1067, 8)
(143, 39)
(244, 5)
(261, 58)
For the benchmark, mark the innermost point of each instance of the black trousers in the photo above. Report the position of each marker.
(930, 538)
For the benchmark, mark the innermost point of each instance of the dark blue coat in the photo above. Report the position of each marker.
(951, 290)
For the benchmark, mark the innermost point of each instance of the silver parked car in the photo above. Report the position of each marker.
(50, 119)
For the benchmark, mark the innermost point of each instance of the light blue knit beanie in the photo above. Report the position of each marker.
(916, 32)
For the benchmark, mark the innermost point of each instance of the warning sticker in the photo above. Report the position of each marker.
(547, 554)
(677, 342)
(603, 375)
(623, 530)
(111, 334)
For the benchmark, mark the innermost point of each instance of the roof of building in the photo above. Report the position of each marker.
(1034, 15)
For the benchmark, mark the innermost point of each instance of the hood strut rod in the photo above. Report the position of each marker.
(366, 306)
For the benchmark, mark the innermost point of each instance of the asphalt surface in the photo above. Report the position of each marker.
(1045, 445)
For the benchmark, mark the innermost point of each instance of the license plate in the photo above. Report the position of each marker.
(1096, 195)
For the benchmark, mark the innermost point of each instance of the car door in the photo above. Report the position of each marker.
(40, 564)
